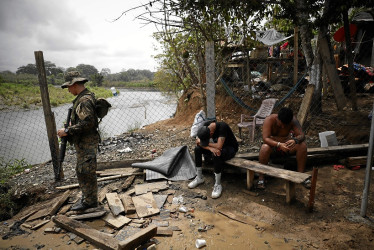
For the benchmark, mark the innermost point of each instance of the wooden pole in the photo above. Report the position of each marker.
(369, 164)
(210, 80)
(312, 189)
(305, 104)
(48, 115)
(296, 55)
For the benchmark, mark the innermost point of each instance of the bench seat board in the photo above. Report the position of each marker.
(257, 167)
(343, 149)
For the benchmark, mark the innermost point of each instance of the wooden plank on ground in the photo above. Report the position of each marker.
(98, 180)
(119, 171)
(108, 189)
(41, 213)
(356, 161)
(88, 215)
(128, 204)
(116, 221)
(257, 167)
(128, 182)
(59, 203)
(138, 238)
(145, 205)
(150, 187)
(88, 233)
(40, 224)
(119, 164)
(64, 209)
(43, 209)
(115, 203)
(164, 232)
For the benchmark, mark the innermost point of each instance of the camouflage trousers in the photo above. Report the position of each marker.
(86, 170)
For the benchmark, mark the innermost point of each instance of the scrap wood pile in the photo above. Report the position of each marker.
(135, 213)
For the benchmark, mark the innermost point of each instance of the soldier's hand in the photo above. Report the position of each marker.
(61, 133)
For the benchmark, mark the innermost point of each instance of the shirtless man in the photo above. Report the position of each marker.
(282, 135)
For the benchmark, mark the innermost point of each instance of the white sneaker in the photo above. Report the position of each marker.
(196, 182)
(217, 191)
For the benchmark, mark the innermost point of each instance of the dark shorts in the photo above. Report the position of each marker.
(277, 152)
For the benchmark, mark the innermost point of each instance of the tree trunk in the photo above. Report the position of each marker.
(328, 60)
(351, 79)
(325, 50)
(317, 97)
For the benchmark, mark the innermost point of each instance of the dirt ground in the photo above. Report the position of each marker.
(237, 220)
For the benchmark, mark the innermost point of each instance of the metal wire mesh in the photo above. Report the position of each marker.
(245, 81)
(23, 134)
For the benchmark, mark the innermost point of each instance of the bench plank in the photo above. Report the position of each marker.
(346, 149)
(257, 167)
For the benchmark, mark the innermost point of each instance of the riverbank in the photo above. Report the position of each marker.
(15, 97)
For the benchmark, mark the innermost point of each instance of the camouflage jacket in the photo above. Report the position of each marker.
(84, 122)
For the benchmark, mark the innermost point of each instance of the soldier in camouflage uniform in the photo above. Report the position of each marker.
(83, 133)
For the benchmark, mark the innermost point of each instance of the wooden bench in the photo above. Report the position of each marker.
(253, 167)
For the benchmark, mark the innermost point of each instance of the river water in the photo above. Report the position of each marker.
(23, 134)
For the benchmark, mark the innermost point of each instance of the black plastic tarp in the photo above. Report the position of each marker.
(174, 164)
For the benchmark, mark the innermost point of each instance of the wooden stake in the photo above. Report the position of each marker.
(312, 189)
(48, 115)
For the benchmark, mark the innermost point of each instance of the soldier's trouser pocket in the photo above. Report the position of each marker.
(86, 158)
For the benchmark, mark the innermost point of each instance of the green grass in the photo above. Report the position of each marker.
(24, 95)
(10, 168)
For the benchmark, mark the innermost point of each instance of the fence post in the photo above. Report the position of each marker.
(48, 115)
(369, 164)
(210, 80)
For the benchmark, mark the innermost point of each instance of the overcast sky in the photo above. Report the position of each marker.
(70, 32)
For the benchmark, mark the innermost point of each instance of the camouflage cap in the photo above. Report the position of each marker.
(73, 77)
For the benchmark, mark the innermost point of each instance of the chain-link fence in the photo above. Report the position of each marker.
(23, 134)
(244, 83)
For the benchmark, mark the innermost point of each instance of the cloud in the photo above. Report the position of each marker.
(72, 32)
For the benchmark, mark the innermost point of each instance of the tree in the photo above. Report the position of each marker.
(28, 69)
(105, 71)
(86, 70)
(97, 79)
(187, 24)
(71, 69)
(51, 68)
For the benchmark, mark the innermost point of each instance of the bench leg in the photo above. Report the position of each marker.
(250, 178)
(290, 191)
(312, 189)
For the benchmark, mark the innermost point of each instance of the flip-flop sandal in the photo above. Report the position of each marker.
(337, 167)
(261, 184)
(307, 184)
